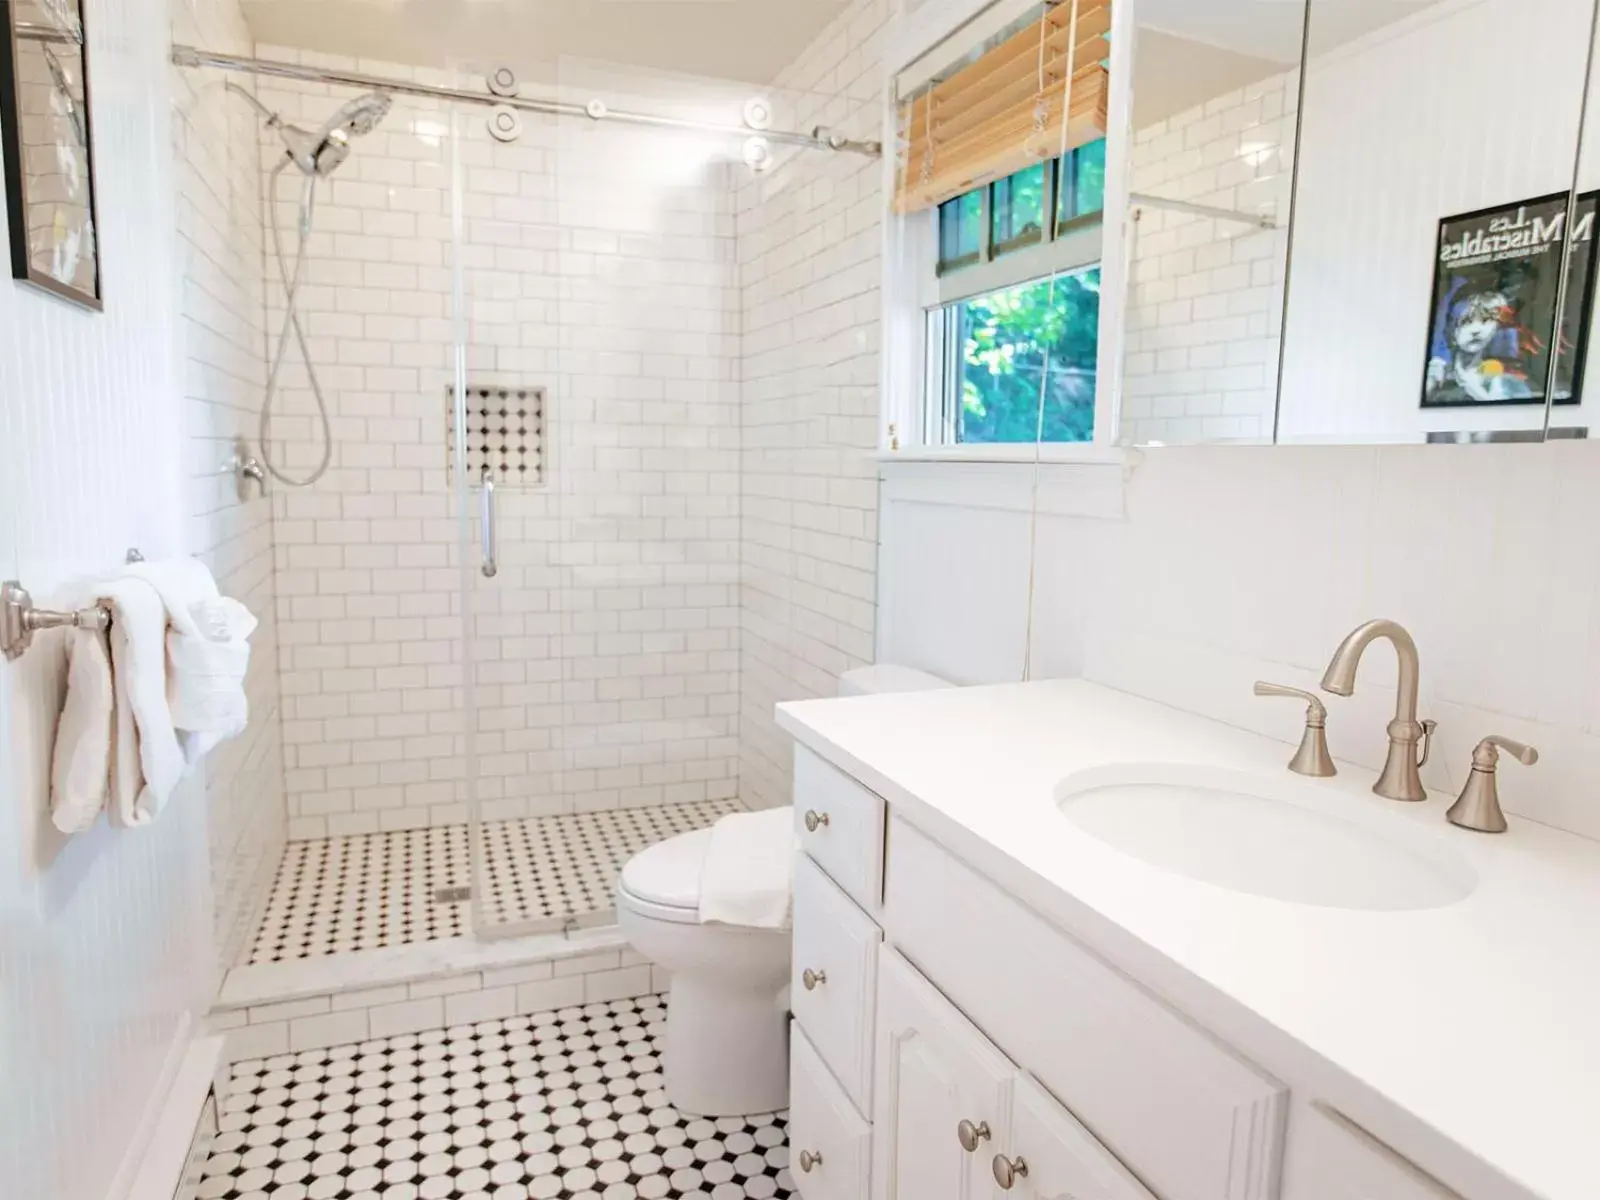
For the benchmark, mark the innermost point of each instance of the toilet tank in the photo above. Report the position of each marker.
(886, 677)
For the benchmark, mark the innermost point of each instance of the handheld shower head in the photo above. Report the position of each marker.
(320, 153)
(361, 115)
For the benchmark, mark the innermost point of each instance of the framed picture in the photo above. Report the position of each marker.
(48, 144)
(1492, 325)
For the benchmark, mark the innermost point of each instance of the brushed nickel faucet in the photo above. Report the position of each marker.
(1401, 778)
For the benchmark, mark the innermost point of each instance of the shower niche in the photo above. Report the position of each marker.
(505, 433)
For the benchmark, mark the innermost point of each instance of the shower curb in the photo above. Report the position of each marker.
(281, 1008)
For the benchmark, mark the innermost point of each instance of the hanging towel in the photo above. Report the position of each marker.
(747, 877)
(145, 741)
(208, 653)
(80, 773)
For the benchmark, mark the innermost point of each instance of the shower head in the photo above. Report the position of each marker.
(320, 153)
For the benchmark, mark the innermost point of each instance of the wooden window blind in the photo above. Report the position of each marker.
(1005, 111)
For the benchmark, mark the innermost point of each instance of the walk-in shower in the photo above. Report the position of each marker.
(466, 756)
(317, 154)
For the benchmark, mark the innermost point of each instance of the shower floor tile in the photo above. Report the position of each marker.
(550, 1107)
(368, 891)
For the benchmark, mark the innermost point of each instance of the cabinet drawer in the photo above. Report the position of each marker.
(1186, 1115)
(848, 839)
(1331, 1158)
(824, 1127)
(838, 944)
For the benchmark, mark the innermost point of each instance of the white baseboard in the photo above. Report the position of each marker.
(155, 1166)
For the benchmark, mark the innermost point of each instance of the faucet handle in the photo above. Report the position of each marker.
(1478, 806)
(1312, 758)
(1489, 747)
(1315, 709)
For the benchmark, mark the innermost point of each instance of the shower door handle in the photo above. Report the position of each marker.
(486, 520)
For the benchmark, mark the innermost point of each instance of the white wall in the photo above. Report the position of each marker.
(1387, 149)
(105, 938)
(809, 246)
(599, 264)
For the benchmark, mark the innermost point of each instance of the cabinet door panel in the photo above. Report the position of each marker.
(934, 1072)
(1056, 1158)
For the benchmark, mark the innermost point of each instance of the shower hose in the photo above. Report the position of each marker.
(291, 324)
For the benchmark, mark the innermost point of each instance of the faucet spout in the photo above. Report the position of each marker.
(1401, 778)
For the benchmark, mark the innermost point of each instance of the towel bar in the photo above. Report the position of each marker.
(20, 620)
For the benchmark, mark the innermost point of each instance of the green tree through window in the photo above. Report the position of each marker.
(1010, 340)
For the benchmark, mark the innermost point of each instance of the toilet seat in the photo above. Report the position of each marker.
(662, 882)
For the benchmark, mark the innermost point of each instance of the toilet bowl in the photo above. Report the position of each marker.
(727, 1045)
(726, 1049)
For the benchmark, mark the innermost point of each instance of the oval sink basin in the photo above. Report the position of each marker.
(1263, 837)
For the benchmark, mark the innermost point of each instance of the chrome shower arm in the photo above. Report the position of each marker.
(270, 117)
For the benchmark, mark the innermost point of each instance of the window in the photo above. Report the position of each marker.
(1082, 188)
(1018, 208)
(960, 231)
(1009, 214)
(1021, 307)
(1000, 349)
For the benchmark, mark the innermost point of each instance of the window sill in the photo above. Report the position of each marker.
(1050, 452)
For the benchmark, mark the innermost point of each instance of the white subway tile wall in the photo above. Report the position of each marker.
(1206, 307)
(809, 233)
(218, 193)
(599, 265)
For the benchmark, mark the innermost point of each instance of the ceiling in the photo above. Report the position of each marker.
(745, 40)
(1272, 29)
(1191, 50)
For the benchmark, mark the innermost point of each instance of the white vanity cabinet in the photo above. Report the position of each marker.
(964, 1047)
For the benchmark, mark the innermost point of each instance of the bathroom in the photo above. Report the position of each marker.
(739, 351)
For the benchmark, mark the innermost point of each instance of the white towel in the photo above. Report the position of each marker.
(208, 653)
(139, 671)
(747, 877)
(80, 773)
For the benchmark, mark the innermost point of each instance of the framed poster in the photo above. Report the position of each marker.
(48, 145)
(1492, 324)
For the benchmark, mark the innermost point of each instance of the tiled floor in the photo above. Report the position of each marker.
(372, 890)
(561, 1105)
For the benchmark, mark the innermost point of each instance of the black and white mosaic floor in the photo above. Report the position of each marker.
(366, 891)
(560, 1106)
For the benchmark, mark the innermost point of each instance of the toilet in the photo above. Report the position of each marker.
(726, 1049)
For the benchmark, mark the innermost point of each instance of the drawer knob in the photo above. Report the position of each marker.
(971, 1136)
(809, 1160)
(815, 820)
(812, 978)
(1008, 1170)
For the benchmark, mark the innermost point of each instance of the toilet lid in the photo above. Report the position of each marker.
(668, 873)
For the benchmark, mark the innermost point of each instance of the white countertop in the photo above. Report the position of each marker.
(1481, 1019)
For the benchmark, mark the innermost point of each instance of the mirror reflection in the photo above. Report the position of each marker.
(1211, 158)
(50, 180)
(1431, 214)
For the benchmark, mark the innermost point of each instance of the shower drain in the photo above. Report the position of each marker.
(452, 895)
